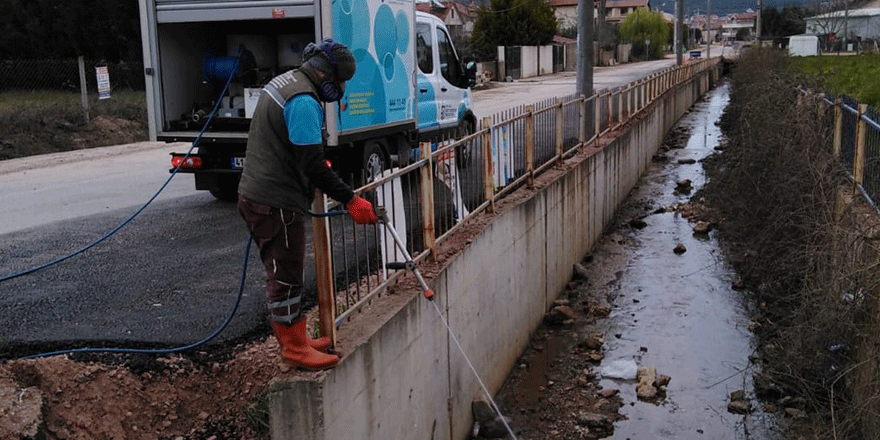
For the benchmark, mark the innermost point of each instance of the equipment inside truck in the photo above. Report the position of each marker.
(249, 51)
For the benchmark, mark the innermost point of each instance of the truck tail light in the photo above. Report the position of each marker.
(191, 162)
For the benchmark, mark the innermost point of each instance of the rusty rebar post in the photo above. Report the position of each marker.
(859, 159)
(838, 128)
(530, 145)
(560, 115)
(582, 123)
(324, 268)
(609, 110)
(427, 194)
(488, 178)
(596, 119)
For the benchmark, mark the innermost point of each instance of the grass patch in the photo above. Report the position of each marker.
(47, 122)
(256, 412)
(857, 76)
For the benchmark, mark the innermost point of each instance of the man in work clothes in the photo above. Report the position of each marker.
(285, 162)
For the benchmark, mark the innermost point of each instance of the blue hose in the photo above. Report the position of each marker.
(195, 142)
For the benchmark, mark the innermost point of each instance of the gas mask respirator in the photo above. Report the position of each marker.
(322, 59)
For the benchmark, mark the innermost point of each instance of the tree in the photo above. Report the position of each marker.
(605, 32)
(647, 31)
(789, 21)
(97, 29)
(828, 20)
(514, 23)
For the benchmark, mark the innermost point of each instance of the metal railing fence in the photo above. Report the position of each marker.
(856, 143)
(428, 200)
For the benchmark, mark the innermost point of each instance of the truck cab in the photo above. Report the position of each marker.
(207, 61)
(444, 94)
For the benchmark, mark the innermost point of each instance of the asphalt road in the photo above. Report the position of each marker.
(172, 275)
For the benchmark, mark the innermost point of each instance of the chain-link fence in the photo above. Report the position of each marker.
(64, 75)
(59, 105)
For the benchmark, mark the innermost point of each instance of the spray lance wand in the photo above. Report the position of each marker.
(407, 264)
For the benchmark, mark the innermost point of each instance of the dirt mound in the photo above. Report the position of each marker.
(107, 130)
(141, 398)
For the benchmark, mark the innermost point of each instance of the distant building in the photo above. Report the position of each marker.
(857, 24)
(458, 18)
(738, 24)
(716, 28)
(615, 10)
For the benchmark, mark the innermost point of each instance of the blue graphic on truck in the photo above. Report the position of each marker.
(381, 90)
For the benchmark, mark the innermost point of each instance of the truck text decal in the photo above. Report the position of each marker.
(359, 103)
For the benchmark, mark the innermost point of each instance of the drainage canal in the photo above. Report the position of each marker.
(670, 304)
(673, 304)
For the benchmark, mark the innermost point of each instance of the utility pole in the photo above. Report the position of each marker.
(708, 29)
(758, 24)
(585, 59)
(846, 26)
(679, 15)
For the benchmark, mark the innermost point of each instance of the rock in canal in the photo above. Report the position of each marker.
(637, 223)
(684, 186)
(702, 227)
(739, 407)
(559, 315)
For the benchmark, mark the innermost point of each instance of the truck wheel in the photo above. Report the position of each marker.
(226, 190)
(464, 153)
(225, 195)
(374, 162)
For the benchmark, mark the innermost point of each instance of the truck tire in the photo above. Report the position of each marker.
(224, 196)
(374, 162)
(464, 153)
(226, 190)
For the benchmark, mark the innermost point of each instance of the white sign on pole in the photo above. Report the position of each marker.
(103, 82)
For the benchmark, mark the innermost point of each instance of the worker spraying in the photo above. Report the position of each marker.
(285, 162)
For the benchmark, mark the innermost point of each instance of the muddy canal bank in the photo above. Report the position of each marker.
(653, 293)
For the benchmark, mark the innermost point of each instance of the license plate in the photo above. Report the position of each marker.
(237, 163)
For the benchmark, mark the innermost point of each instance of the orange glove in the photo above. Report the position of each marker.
(362, 211)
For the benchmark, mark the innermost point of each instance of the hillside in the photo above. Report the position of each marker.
(721, 7)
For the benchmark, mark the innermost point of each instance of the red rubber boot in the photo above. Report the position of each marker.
(320, 344)
(296, 349)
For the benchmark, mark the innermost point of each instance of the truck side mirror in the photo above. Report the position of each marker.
(470, 73)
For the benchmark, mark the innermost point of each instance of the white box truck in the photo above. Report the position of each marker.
(409, 85)
(803, 45)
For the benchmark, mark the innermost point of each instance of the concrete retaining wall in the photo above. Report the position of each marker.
(409, 379)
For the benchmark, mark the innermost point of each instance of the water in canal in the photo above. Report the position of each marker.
(677, 311)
